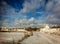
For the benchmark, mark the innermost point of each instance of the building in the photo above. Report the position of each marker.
(48, 29)
(12, 29)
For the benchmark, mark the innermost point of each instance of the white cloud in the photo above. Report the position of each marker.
(49, 6)
(31, 6)
(20, 17)
(53, 10)
(31, 19)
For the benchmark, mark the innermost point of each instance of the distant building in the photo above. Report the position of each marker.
(21, 29)
(48, 29)
(12, 29)
(4, 29)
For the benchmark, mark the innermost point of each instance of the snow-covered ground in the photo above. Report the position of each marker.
(11, 36)
(37, 38)
(41, 38)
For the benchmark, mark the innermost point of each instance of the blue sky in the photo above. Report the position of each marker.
(25, 13)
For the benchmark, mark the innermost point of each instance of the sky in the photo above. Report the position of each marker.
(26, 13)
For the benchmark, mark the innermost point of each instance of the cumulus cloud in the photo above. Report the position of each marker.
(19, 19)
(31, 19)
(54, 13)
(9, 13)
(31, 6)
